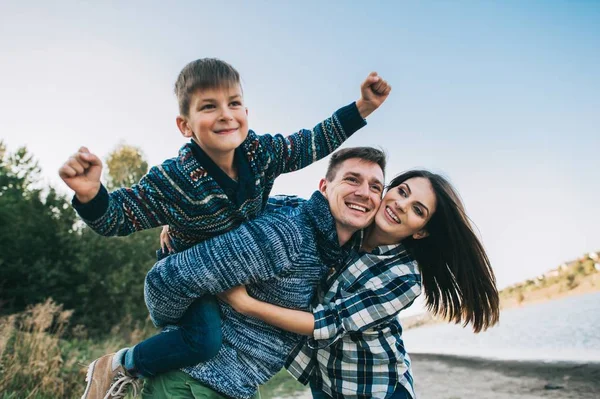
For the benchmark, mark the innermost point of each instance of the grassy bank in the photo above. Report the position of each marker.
(43, 357)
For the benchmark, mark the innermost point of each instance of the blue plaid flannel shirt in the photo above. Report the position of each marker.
(357, 350)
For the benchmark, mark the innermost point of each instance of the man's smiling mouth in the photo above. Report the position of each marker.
(356, 207)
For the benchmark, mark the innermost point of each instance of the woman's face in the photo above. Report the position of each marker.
(406, 209)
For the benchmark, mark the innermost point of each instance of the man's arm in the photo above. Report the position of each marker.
(256, 251)
(276, 202)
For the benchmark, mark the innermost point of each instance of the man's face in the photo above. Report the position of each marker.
(218, 121)
(354, 195)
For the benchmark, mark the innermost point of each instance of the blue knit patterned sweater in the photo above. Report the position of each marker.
(281, 257)
(180, 193)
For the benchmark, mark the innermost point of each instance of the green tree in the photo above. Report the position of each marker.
(34, 234)
(126, 166)
(46, 252)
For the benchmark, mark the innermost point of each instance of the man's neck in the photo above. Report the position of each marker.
(344, 234)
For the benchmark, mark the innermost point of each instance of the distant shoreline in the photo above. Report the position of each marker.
(587, 285)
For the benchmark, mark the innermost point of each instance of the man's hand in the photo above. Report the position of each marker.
(373, 92)
(82, 173)
(238, 298)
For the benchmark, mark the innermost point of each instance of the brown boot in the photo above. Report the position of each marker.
(107, 379)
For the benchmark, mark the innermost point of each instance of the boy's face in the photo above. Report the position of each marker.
(217, 121)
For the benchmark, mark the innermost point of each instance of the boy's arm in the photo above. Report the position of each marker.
(123, 211)
(256, 251)
(127, 210)
(300, 149)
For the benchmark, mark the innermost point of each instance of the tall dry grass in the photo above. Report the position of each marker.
(37, 362)
(43, 357)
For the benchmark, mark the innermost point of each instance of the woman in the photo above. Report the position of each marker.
(421, 239)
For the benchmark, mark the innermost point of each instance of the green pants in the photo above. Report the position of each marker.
(179, 385)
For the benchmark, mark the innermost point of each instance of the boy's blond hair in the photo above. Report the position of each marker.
(204, 73)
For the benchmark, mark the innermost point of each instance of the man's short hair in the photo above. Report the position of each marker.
(205, 73)
(368, 154)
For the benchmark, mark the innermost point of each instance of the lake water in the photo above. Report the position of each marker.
(566, 329)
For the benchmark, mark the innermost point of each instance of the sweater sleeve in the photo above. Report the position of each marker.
(256, 251)
(379, 300)
(127, 210)
(300, 149)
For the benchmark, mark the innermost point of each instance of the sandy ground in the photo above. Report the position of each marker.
(449, 377)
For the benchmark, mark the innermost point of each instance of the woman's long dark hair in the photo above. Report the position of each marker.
(458, 280)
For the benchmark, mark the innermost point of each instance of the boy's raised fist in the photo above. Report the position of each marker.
(373, 92)
(82, 173)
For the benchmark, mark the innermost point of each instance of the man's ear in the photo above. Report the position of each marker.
(184, 127)
(323, 187)
(420, 234)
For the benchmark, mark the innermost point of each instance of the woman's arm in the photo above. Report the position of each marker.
(295, 321)
(378, 301)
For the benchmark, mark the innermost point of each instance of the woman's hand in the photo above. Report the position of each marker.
(238, 298)
(165, 240)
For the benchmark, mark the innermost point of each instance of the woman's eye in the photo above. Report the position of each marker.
(418, 211)
(402, 192)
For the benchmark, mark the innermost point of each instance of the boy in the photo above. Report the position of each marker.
(221, 178)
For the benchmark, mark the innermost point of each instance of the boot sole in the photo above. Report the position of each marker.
(88, 378)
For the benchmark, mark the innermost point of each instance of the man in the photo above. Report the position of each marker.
(280, 257)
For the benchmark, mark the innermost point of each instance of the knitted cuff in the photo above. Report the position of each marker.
(94, 209)
(350, 119)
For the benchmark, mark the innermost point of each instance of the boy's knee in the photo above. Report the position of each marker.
(203, 343)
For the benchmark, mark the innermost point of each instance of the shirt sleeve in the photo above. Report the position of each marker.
(127, 210)
(379, 300)
(300, 149)
(256, 251)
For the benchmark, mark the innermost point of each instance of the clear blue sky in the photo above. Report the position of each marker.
(498, 96)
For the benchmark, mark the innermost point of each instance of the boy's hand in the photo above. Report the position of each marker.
(373, 93)
(82, 174)
(165, 241)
